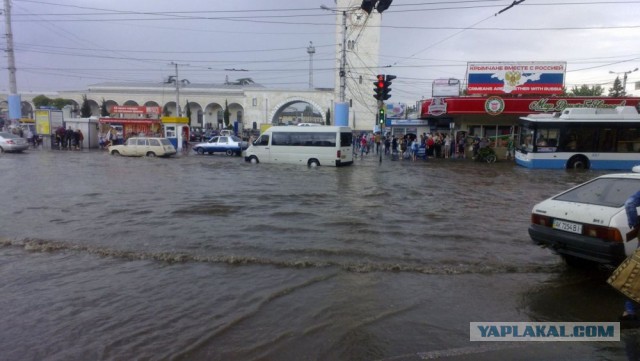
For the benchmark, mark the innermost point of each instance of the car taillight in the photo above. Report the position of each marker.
(604, 233)
(9, 141)
(338, 154)
(541, 220)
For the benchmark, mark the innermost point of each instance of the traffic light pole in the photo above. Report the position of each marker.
(380, 150)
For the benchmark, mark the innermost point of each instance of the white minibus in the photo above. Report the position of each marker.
(313, 146)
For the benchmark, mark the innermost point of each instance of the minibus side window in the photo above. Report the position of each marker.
(263, 140)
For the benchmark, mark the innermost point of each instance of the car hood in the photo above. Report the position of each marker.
(577, 212)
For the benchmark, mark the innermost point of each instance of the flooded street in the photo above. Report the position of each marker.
(211, 258)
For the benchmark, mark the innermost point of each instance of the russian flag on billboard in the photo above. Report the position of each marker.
(516, 78)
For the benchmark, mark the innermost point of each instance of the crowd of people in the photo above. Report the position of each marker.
(410, 146)
(424, 146)
(68, 138)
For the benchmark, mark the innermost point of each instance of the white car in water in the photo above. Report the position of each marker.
(144, 146)
(588, 223)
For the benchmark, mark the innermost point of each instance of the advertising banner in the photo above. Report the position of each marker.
(516, 78)
(396, 110)
(445, 88)
(131, 109)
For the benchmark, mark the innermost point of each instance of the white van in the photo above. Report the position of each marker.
(313, 146)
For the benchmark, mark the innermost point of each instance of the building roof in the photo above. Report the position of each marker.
(160, 85)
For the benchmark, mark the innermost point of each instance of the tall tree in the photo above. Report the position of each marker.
(85, 108)
(227, 114)
(585, 90)
(328, 117)
(104, 111)
(617, 90)
(188, 110)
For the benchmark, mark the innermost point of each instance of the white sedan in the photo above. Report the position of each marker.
(588, 222)
(144, 146)
(228, 144)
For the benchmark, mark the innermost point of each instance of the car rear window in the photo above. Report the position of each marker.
(165, 141)
(609, 192)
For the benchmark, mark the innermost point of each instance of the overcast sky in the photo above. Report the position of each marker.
(71, 44)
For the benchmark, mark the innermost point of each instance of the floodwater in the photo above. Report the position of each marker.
(211, 258)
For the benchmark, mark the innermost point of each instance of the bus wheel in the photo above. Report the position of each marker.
(578, 162)
(254, 160)
(313, 163)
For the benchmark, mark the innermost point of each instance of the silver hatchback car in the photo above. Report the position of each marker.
(12, 143)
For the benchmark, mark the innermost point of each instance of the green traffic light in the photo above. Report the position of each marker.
(381, 116)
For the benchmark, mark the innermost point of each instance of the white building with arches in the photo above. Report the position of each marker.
(252, 104)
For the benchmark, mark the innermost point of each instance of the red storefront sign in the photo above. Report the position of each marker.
(129, 109)
(522, 106)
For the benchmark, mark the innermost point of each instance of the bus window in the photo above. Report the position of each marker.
(606, 138)
(548, 137)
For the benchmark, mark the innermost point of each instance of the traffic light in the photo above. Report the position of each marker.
(379, 89)
(385, 87)
(383, 5)
(381, 116)
(367, 5)
(380, 5)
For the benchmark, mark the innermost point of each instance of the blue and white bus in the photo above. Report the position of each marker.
(580, 138)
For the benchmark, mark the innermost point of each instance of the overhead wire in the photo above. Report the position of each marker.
(396, 8)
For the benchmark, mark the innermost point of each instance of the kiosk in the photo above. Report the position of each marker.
(177, 130)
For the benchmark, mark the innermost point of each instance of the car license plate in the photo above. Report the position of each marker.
(567, 226)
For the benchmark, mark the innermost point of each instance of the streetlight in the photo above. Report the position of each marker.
(624, 79)
(311, 50)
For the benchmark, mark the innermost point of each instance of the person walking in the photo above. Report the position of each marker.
(79, 139)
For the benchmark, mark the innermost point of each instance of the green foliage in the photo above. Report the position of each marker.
(328, 117)
(60, 103)
(104, 112)
(188, 110)
(41, 101)
(227, 114)
(85, 108)
(585, 90)
(617, 90)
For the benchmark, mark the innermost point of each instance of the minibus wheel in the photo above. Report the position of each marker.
(313, 163)
(254, 160)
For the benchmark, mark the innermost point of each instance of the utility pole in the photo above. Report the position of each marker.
(14, 109)
(175, 79)
(178, 111)
(343, 60)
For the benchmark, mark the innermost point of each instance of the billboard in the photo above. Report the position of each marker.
(396, 110)
(445, 88)
(516, 78)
